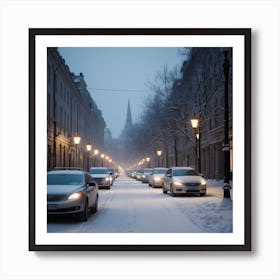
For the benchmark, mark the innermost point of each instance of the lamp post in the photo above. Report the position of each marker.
(88, 147)
(195, 122)
(77, 140)
(159, 152)
(96, 152)
(102, 157)
(148, 162)
(226, 146)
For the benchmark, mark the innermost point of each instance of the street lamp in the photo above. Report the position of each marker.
(159, 152)
(96, 152)
(195, 122)
(102, 157)
(76, 140)
(226, 146)
(88, 146)
(148, 162)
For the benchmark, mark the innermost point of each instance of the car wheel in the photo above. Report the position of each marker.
(95, 206)
(85, 213)
(203, 194)
(164, 190)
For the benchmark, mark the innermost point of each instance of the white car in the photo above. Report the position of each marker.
(156, 177)
(183, 180)
(102, 176)
(71, 192)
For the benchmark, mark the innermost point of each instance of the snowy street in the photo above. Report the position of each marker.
(133, 207)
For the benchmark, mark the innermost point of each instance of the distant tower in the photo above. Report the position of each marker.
(128, 123)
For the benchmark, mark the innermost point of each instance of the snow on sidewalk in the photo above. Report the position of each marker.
(212, 213)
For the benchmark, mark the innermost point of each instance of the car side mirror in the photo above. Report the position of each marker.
(92, 184)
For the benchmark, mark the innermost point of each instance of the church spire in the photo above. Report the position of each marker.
(128, 123)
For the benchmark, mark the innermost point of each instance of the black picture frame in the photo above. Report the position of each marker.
(34, 33)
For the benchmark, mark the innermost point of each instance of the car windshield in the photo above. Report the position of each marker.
(146, 171)
(184, 172)
(99, 171)
(65, 179)
(160, 171)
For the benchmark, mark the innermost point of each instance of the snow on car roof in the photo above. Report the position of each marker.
(182, 167)
(66, 171)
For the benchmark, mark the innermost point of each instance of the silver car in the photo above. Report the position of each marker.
(146, 174)
(156, 177)
(71, 192)
(102, 176)
(183, 180)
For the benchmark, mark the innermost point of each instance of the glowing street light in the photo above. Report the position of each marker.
(159, 152)
(102, 157)
(96, 152)
(88, 147)
(77, 140)
(148, 161)
(195, 122)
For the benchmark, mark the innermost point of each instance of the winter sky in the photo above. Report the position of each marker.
(115, 74)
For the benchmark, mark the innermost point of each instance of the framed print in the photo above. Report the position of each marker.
(134, 136)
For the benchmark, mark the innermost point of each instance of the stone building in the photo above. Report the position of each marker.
(70, 111)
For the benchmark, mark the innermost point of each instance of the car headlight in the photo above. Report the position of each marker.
(75, 195)
(178, 184)
(203, 183)
(157, 179)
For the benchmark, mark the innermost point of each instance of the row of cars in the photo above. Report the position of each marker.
(176, 180)
(74, 192)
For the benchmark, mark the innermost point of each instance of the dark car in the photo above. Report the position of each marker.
(71, 192)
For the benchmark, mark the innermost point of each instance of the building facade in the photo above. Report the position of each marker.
(70, 112)
(201, 92)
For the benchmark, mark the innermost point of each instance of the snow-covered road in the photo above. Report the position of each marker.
(132, 207)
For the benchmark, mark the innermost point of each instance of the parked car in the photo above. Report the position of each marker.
(133, 174)
(145, 175)
(71, 192)
(102, 176)
(114, 173)
(156, 177)
(183, 180)
(139, 174)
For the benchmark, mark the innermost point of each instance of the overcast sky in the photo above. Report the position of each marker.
(114, 75)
